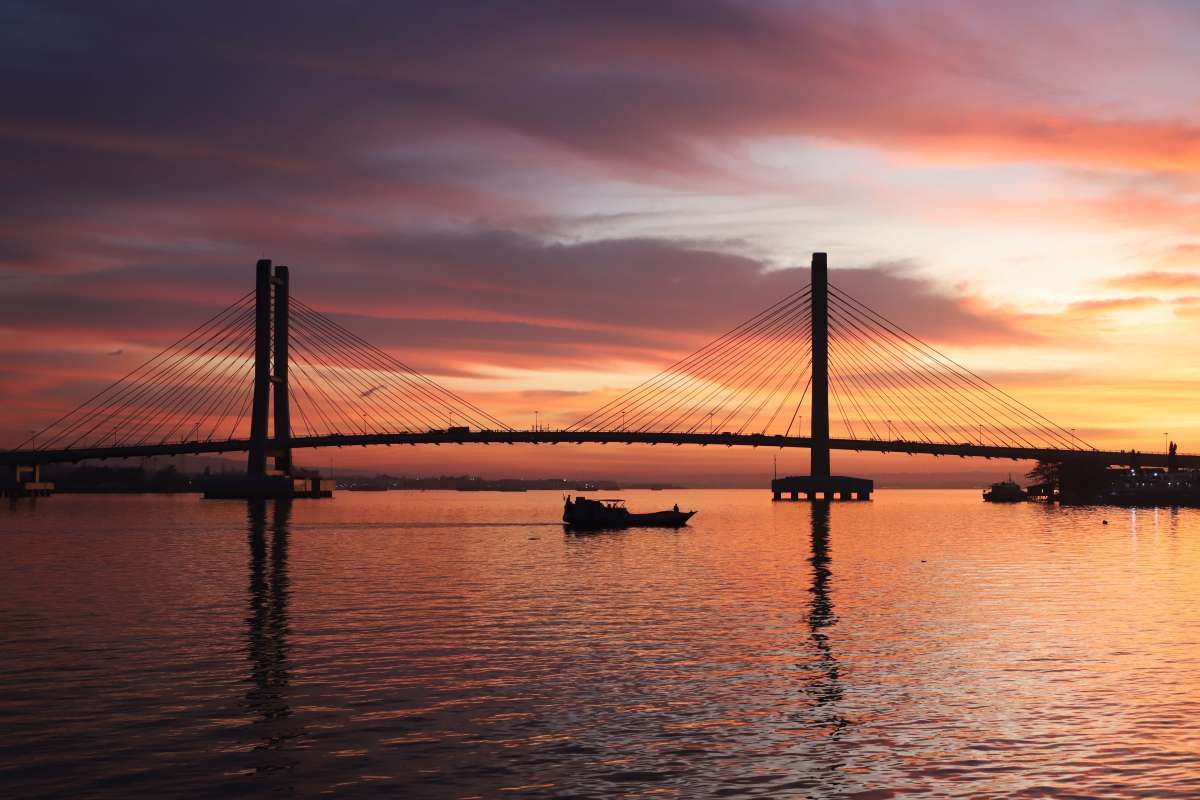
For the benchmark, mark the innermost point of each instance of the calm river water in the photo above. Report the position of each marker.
(445, 644)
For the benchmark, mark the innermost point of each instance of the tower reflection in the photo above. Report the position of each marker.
(826, 687)
(267, 631)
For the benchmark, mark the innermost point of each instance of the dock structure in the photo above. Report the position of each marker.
(25, 481)
(265, 487)
(819, 484)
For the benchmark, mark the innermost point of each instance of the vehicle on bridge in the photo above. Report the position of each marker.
(585, 513)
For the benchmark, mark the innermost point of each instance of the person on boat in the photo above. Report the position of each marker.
(676, 508)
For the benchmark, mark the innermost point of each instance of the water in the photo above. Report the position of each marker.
(448, 644)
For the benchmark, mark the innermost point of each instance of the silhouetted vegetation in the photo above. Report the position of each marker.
(88, 478)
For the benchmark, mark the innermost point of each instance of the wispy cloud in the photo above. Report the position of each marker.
(1152, 280)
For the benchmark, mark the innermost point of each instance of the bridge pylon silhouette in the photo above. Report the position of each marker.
(271, 325)
(263, 376)
(270, 404)
(819, 484)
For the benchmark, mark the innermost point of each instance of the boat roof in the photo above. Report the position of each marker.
(611, 499)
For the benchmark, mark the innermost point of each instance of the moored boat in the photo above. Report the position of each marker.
(1005, 492)
(583, 512)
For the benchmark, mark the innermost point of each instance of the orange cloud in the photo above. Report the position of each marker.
(1087, 308)
(1153, 280)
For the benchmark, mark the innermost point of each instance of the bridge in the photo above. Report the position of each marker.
(269, 374)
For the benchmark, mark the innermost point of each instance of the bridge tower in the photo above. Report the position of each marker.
(819, 484)
(271, 402)
(819, 424)
(271, 313)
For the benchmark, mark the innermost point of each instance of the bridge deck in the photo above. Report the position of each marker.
(487, 437)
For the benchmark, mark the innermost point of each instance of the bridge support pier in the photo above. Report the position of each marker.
(833, 487)
(819, 484)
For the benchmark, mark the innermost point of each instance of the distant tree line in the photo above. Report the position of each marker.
(98, 479)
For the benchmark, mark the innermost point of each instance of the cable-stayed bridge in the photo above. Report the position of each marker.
(819, 369)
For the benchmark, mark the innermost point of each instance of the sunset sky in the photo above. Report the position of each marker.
(540, 204)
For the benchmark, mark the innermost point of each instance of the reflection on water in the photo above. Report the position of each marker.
(826, 688)
(442, 644)
(267, 632)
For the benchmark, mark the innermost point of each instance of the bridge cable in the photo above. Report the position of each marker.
(965, 373)
(420, 382)
(923, 374)
(703, 372)
(606, 412)
(698, 371)
(155, 379)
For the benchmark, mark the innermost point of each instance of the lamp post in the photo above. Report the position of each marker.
(1166, 447)
(535, 422)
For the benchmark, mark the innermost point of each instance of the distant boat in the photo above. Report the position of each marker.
(1005, 492)
(585, 513)
(366, 488)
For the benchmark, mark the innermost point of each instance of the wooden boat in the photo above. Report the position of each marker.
(611, 512)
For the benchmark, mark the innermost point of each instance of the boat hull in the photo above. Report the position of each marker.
(657, 519)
